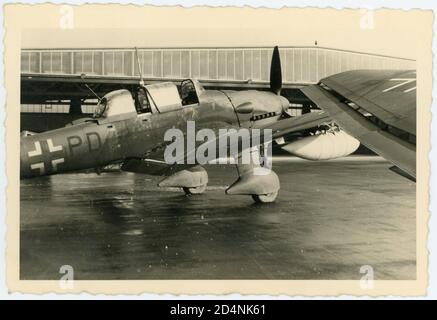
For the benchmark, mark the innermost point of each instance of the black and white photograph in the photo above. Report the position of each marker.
(230, 144)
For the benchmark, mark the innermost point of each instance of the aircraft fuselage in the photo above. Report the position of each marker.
(93, 143)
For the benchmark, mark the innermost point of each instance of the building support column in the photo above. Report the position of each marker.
(75, 106)
(306, 108)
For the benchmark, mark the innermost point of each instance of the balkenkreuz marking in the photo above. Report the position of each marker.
(37, 151)
(40, 166)
(45, 164)
(55, 163)
(53, 148)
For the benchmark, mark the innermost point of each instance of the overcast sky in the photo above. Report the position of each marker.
(390, 34)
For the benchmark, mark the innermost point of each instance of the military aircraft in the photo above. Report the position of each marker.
(378, 107)
(128, 129)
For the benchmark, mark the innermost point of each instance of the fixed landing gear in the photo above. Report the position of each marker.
(263, 188)
(192, 180)
(265, 198)
(194, 190)
(259, 182)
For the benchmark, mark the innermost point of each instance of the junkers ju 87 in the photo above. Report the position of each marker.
(129, 128)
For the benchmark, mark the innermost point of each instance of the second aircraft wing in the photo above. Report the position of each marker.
(376, 107)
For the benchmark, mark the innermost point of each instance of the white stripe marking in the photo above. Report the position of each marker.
(53, 148)
(56, 162)
(411, 89)
(404, 81)
(37, 151)
(39, 165)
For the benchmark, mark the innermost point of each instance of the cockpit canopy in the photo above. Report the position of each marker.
(115, 104)
(165, 96)
(155, 98)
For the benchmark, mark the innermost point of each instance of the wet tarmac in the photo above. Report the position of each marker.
(330, 219)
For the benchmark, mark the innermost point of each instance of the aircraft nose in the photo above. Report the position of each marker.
(285, 104)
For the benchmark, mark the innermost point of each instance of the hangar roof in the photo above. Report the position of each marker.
(300, 65)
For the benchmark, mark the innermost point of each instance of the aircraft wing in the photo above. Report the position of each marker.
(299, 123)
(378, 107)
(157, 166)
(153, 167)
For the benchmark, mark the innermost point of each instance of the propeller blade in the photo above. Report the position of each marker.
(275, 72)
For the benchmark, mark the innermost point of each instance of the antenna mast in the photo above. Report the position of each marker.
(83, 75)
(139, 67)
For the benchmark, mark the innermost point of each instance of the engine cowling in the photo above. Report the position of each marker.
(323, 146)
